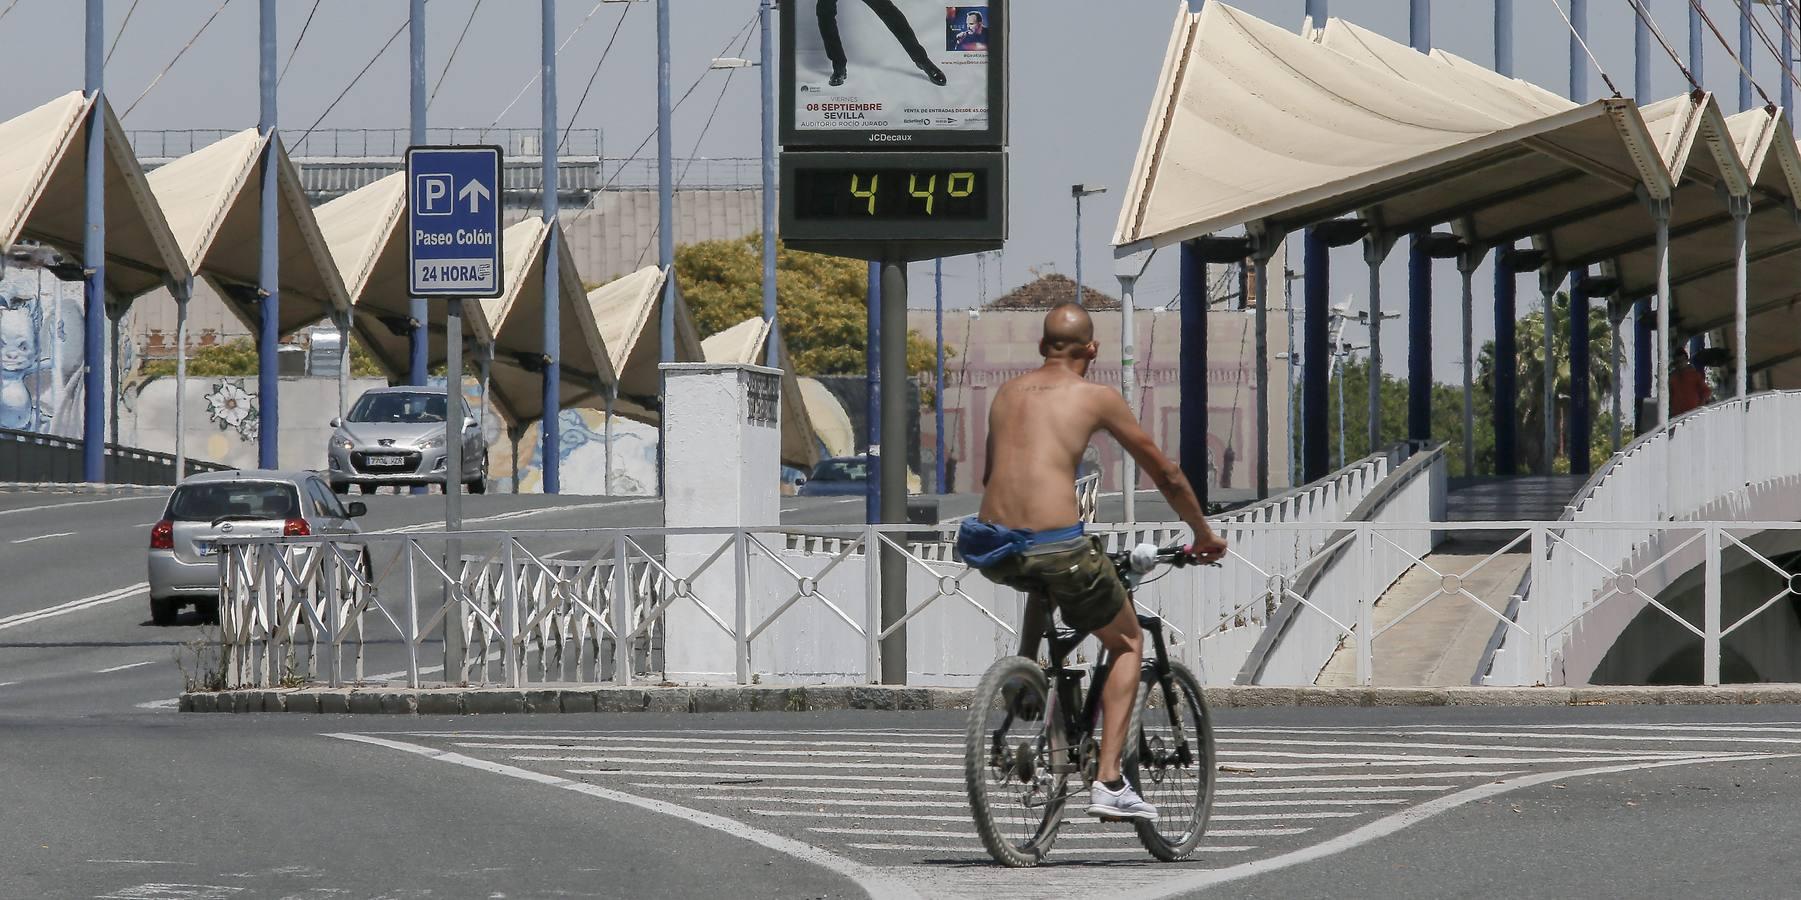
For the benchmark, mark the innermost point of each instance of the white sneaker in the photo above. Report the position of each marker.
(1122, 804)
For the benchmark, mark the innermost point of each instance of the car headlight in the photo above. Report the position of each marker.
(431, 443)
(340, 442)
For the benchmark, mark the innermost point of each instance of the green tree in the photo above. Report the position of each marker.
(1447, 401)
(819, 299)
(237, 359)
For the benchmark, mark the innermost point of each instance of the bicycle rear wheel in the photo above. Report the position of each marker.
(1171, 761)
(1015, 798)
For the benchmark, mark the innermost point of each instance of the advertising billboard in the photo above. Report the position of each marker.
(906, 74)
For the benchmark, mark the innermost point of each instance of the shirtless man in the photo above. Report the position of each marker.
(1028, 535)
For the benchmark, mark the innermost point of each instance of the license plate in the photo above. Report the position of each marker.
(206, 548)
(387, 460)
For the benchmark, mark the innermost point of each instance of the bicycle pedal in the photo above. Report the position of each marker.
(1113, 820)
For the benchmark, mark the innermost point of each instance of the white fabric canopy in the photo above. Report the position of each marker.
(743, 343)
(517, 317)
(628, 312)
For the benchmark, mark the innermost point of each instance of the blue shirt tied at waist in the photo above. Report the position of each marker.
(984, 544)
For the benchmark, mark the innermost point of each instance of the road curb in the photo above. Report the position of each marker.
(550, 698)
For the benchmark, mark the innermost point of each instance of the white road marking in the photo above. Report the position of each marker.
(885, 754)
(44, 537)
(147, 662)
(759, 776)
(26, 509)
(1115, 835)
(170, 703)
(900, 792)
(72, 606)
(1405, 745)
(1390, 824)
(1666, 738)
(880, 885)
(1372, 801)
(7, 683)
(1085, 851)
(142, 862)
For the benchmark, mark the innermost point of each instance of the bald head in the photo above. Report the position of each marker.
(1068, 333)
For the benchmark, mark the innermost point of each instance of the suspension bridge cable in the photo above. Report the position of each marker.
(1708, 20)
(1770, 45)
(453, 53)
(120, 33)
(1644, 15)
(1591, 54)
(746, 33)
(594, 75)
(178, 55)
(295, 50)
(534, 79)
(405, 20)
(653, 131)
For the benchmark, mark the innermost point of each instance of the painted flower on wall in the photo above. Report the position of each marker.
(232, 408)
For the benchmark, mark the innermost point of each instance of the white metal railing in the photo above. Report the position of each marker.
(1737, 460)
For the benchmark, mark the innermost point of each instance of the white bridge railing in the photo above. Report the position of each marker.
(1738, 460)
(754, 610)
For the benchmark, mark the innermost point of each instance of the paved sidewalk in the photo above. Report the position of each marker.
(572, 698)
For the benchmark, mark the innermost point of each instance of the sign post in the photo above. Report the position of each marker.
(453, 254)
(894, 134)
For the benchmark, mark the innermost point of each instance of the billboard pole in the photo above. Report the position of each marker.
(268, 382)
(894, 407)
(766, 22)
(93, 256)
(548, 426)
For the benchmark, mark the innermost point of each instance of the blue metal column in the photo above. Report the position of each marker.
(1578, 59)
(666, 184)
(1506, 365)
(1745, 55)
(872, 409)
(1192, 370)
(1316, 10)
(551, 456)
(1641, 55)
(1316, 362)
(268, 274)
(1697, 44)
(1577, 425)
(1419, 279)
(418, 311)
(1642, 362)
(938, 389)
(766, 22)
(93, 257)
(1788, 59)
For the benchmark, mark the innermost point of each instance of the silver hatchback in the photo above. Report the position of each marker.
(396, 436)
(184, 543)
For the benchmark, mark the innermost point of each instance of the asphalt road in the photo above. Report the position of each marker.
(109, 794)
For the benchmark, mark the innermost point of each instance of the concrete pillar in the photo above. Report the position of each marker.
(1193, 370)
(713, 414)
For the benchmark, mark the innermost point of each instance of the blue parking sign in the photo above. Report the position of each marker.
(453, 221)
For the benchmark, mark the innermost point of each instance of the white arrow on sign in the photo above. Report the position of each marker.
(475, 193)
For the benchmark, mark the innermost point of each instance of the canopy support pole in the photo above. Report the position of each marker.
(418, 308)
(549, 427)
(1547, 294)
(1660, 213)
(612, 394)
(1419, 340)
(1578, 424)
(1193, 371)
(268, 276)
(1128, 267)
(1375, 248)
(1741, 210)
(1262, 248)
(93, 256)
(1467, 261)
(344, 359)
(183, 291)
(1616, 317)
(1316, 335)
(1506, 368)
(1642, 362)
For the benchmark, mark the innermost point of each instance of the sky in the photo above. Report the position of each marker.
(1082, 78)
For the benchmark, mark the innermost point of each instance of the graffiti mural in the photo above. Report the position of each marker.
(232, 408)
(40, 352)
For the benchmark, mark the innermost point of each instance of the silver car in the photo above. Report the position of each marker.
(396, 436)
(184, 544)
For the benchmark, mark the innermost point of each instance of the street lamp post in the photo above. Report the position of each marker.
(1078, 191)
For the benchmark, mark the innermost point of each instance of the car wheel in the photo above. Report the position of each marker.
(367, 489)
(163, 610)
(478, 486)
(340, 487)
(208, 610)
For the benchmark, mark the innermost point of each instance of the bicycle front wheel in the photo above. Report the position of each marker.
(1170, 759)
(1015, 797)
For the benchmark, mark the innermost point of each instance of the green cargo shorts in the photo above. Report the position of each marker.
(1073, 574)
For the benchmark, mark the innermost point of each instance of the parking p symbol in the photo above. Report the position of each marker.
(434, 193)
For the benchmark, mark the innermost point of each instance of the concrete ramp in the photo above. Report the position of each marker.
(1441, 643)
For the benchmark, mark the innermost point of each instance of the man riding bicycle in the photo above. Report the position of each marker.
(1029, 536)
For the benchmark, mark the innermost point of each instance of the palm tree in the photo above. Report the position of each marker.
(1529, 334)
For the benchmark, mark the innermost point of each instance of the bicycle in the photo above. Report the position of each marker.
(1025, 739)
